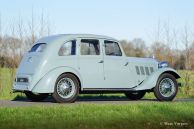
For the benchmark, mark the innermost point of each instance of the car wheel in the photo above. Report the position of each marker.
(135, 95)
(35, 97)
(166, 87)
(66, 89)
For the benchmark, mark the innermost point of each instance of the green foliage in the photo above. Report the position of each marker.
(6, 81)
(187, 81)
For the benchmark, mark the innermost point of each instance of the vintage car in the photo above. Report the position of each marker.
(70, 64)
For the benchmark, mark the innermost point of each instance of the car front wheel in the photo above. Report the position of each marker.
(35, 96)
(166, 88)
(135, 95)
(66, 89)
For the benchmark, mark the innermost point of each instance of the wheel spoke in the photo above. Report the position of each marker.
(65, 87)
(167, 87)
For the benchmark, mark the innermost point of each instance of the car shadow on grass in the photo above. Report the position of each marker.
(86, 98)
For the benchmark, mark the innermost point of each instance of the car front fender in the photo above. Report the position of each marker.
(47, 83)
(151, 81)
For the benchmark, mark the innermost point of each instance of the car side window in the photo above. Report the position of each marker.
(68, 48)
(112, 48)
(90, 47)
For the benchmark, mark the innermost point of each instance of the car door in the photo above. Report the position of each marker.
(116, 67)
(91, 63)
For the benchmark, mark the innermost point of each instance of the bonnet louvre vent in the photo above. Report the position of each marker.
(151, 69)
(140, 70)
(147, 71)
(137, 70)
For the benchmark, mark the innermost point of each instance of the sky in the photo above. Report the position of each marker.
(121, 19)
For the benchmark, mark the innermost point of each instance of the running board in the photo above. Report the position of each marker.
(108, 89)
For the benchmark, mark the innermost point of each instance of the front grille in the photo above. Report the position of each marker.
(22, 80)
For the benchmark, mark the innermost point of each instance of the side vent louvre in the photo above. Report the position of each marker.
(151, 69)
(147, 71)
(142, 70)
(137, 70)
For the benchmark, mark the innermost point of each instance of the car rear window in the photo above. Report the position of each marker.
(38, 47)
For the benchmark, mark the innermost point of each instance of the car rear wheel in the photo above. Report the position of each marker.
(66, 89)
(135, 95)
(35, 96)
(166, 88)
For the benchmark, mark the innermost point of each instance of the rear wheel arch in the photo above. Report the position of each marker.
(68, 90)
(75, 76)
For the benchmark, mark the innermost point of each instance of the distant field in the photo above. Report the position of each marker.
(7, 77)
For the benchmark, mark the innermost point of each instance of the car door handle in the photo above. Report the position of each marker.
(101, 61)
(126, 63)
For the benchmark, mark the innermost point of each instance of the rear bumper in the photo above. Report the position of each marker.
(22, 83)
(20, 87)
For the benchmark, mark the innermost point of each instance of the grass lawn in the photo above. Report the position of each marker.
(102, 116)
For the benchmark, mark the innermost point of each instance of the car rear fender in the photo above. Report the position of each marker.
(47, 83)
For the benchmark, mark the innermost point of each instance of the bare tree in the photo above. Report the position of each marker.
(45, 26)
(140, 47)
(0, 53)
(0, 29)
(1, 37)
(20, 32)
(128, 48)
(42, 25)
(32, 28)
(186, 41)
(48, 27)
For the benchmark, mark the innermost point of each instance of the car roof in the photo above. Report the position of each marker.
(53, 37)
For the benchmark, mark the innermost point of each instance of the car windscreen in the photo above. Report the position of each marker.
(38, 47)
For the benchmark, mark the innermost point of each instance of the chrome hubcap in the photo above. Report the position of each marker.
(65, 88)
(167, 87)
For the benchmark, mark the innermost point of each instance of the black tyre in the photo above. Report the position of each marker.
(36, 97)
(66, 89)
(135, 95)
(166, 87)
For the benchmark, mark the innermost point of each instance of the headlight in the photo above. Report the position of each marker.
(163, 64)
